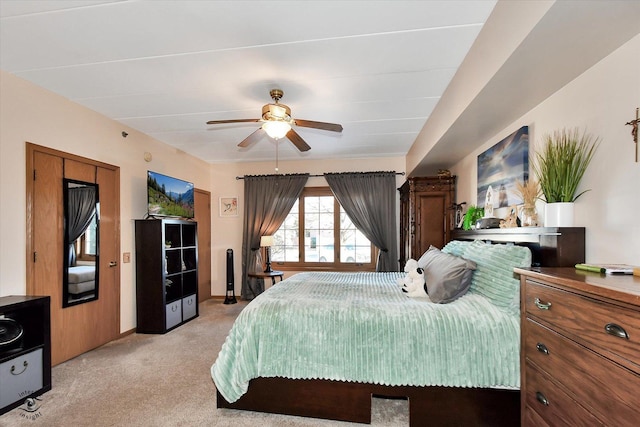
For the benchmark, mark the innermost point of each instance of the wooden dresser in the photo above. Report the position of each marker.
(580, 351)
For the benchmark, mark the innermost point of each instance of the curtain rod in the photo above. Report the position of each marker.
(315, 175)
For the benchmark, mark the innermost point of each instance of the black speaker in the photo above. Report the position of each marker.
(230, 298)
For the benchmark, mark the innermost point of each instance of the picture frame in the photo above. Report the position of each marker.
(228, 206)
(501, 166)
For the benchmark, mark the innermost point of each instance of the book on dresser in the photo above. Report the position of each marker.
(607, 268)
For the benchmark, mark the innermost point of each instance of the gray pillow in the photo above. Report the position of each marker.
(448, 277)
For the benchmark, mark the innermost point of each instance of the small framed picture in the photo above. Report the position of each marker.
(228, 206)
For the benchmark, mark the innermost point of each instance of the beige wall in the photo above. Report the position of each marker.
(30, 113)
(601, 100)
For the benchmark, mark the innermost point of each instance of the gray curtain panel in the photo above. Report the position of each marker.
(81, 207)
(369, 198)
(267, 201)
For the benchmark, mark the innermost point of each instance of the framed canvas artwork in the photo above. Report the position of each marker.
(501, 166)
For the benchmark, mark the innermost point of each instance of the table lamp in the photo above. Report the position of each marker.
(267, 242)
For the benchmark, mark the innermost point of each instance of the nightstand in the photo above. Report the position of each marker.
(273, 274)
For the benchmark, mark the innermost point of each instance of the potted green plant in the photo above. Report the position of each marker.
(473, 214)
(559, 167)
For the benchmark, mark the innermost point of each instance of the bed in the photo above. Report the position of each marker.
(456, 362)
(82, 279)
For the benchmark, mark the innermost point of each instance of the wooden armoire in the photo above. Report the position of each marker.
(427, 212)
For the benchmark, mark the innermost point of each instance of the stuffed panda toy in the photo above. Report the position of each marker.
(416, 286)
(411, 265)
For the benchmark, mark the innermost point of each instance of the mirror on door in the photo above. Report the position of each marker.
(81, 248)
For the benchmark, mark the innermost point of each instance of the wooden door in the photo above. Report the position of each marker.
(431, 229)
(108, 307)
(79, 328)
(44, 251)
(203, 217)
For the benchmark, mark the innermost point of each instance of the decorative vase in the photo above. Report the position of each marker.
(558, 214)
(529, 216)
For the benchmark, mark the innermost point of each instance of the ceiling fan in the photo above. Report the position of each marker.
(277, 123)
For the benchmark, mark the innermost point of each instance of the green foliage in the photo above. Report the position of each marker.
(161, 203)
(472, 215)
(560, 165)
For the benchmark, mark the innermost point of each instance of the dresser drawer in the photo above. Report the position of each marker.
(20, 377)
(554, 406)
(608, 328)
(610, 390)
(532, 418)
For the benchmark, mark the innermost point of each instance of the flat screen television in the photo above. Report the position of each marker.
(168, 196)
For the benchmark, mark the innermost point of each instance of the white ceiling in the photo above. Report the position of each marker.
(398, 75)
(542, 45)
(165, 68)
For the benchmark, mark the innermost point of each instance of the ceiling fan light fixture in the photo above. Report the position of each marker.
(276, 129)
(276, 112)
(276, 122)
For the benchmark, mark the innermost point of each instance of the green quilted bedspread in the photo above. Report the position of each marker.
(361, 327)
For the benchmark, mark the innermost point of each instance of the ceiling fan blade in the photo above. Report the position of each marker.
(252, 138)
(218, 122)
(298, 141)
(333, 127)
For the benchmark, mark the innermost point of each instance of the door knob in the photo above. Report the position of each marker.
(113, 264)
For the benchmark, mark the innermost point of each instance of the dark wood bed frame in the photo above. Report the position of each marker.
(438, 406)
(344, 401)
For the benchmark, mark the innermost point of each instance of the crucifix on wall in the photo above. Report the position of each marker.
(634, 131)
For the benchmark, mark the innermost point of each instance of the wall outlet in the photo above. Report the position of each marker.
(126, 257)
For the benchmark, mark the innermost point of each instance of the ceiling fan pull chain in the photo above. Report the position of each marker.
(276, 155)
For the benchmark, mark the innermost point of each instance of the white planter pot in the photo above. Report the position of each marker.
(558, 215)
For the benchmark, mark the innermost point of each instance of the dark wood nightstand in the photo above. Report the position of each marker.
(273, 274)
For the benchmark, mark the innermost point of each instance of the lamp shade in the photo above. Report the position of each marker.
(276, 129)
(266, 241)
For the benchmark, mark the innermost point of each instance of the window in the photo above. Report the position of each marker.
(318, 234)
(87, 243)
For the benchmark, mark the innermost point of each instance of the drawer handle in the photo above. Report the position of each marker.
(13, 368)
(616, 330)
(542, 348)
(542, 398)
(542, 305)
(174, 308)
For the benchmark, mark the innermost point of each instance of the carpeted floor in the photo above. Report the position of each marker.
(161, 380)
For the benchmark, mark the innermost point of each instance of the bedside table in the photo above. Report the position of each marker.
(273, 274)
